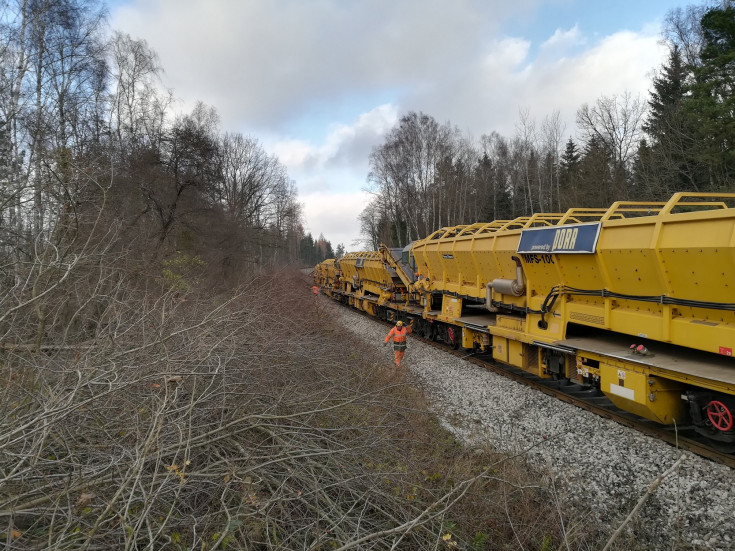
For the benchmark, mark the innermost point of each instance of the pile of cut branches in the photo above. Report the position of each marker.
(249, 422)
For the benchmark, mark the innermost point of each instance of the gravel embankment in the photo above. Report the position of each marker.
(600, 467)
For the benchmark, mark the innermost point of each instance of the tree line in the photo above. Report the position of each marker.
(89, 140)
(427, 175)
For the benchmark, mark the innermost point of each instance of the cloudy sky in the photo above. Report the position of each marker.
(320, 82)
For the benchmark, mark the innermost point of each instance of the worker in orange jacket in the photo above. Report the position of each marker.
(315, 290)
(398, 334)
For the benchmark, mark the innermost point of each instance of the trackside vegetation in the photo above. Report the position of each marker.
(246, 420)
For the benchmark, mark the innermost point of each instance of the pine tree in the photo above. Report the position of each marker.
(666, 97)
(711, 104)
(595, 187)
(661, 166)
(570, 158)
(569, 172)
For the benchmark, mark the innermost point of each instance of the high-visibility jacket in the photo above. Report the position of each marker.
(399, 337)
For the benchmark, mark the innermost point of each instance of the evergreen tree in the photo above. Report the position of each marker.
(569, 171)
(307, 251)
(666, 97)
(664, 123)
(647, 181)
(571, 157)
(711, 104)
(491, 191)
(595, 185)
(661, 166)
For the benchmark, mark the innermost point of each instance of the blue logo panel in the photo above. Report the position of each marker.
(572, 238)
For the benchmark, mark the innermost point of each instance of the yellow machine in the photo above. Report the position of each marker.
(366, 281)
(326, 273)
(637, 300)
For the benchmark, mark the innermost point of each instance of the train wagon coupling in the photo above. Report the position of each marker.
(632, 304)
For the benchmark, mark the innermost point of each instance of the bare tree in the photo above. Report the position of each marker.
(615, 123)
(375, 225)
(405, 171)
(524, 142)
(552, 131)
(682, 29)
(497, 169)
(139, 108)
(50, 60)
(251, 180)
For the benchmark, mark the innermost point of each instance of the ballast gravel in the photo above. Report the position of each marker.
(600, 468)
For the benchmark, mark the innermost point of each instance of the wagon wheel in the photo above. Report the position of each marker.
(719, 415)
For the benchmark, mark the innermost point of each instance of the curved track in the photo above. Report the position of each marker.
(593, 400)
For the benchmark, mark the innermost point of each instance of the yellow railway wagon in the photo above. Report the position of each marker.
(325, 272)
(365, 279)
(636, 300)
(665, 276)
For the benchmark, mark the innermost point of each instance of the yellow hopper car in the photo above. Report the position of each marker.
(636, 300)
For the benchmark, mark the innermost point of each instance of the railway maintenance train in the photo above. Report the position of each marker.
(636, 300)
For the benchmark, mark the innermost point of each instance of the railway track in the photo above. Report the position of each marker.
(594, 401)
(599, 468)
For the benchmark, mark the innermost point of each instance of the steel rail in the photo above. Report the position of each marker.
(596, 402)
(684, 438)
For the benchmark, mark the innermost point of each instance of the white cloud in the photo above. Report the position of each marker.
(265, 62)
(320, 83)
(563, 39)
(617, 64)
(331, 175)
(506, 55)
(335, 215)
(349, 144)
(490, 93)
(345, 148)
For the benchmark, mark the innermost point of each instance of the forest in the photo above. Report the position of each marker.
(427, 175)
(89, 139)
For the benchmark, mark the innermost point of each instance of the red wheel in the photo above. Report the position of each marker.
(719, 415)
